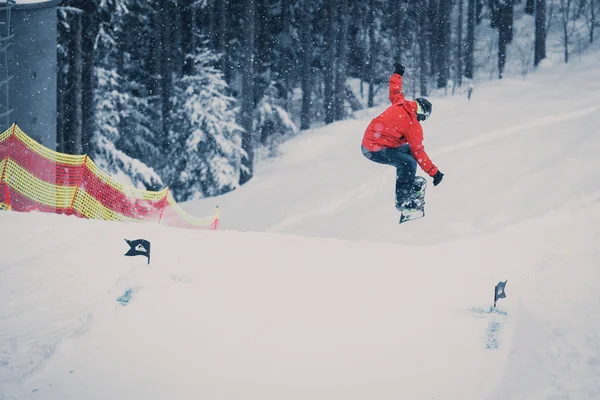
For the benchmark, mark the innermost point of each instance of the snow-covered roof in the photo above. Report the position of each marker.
(36, 3)
(32, 1)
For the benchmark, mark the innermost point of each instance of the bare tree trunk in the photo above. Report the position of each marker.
(565, 7)
(371, 53)
(154, 56)
(62, 106)
(329, 59)
(580, 8)
(88, 78)
(459, 54)
(60, 117)
(79, 109)
(76, 77)
(593, 6)
(342, 61)
(435, 28)
(247, 117)
(502, 42)
(566, 39)
(123, 40)
(287, 54)
(188, 39)
(399, 16)
(165, 71)
(423, 32)
(177, 57)
(593, 19)
(222, 47)
(540, 32)
(530, 7)
(504, 23)
(444, 33)
(213, 34)
(510, 18)
(306, 67)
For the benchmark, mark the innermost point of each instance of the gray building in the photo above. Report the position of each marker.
(32, 65)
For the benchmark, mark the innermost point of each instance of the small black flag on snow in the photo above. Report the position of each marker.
(499, 292)
(139, 247)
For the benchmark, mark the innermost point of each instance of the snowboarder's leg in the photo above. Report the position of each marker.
(406, 168)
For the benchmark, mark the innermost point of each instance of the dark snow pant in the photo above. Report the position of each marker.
(406, 167)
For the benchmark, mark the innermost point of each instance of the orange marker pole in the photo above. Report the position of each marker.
(215, 224)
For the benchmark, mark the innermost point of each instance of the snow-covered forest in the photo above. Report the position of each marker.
(190, 93)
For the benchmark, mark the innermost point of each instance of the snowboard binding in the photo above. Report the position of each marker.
(414, 206)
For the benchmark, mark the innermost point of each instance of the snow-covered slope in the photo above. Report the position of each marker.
(267, 316)
(329, 297)
(518, 150)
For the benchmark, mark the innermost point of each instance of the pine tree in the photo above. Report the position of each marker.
(122, 140)
(273, 123)
(112, 107)
(206, 143)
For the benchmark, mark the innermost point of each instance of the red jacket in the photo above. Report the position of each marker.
(398, 125)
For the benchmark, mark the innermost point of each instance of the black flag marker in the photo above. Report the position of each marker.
(499, 292)
(139, 247)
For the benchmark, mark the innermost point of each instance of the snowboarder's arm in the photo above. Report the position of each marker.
(414, 137)
(396, 95)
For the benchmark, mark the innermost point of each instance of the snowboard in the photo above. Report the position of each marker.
(416, 209)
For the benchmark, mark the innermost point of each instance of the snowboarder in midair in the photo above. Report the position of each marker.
(396, 138)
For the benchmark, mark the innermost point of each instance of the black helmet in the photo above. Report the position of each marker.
(424, 108)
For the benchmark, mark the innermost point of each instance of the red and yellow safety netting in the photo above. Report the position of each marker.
(35, 178)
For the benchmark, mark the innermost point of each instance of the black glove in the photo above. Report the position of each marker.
(437, 178)
(399, 69)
